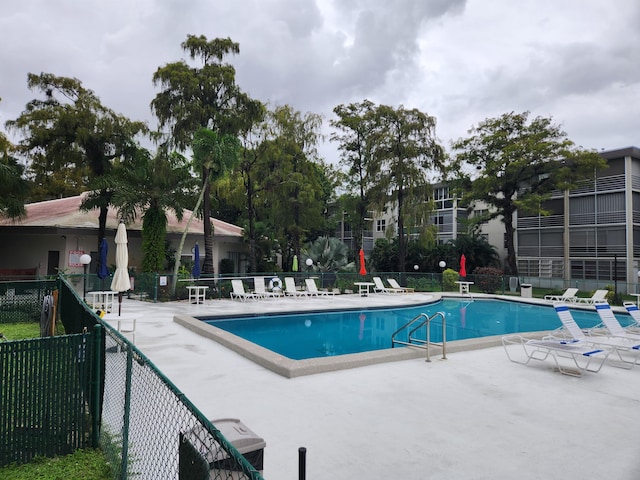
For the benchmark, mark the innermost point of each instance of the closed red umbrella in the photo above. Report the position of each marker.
(463, 266)
(363, 269)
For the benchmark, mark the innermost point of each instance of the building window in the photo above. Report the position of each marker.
(483, 214)
(381, 225)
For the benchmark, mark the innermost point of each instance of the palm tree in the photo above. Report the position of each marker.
(476, 249)
(329, 254)
(151, 186)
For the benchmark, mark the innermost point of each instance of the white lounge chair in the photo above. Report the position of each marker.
(290, 288)
(260, 289)
(239, 292)
(627, 349)
(569, 295)
(380, 288)
(581, 356)
(312, 289)
(394, 284)
(598, 296)
(611, 323)
(634, 311)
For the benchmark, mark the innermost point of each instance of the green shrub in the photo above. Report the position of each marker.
(449, 279)
(613, 297)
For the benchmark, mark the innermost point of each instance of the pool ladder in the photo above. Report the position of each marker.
(422, 320)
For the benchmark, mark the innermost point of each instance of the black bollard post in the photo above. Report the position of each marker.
(302, 463)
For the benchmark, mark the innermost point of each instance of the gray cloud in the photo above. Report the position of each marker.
(461, 61)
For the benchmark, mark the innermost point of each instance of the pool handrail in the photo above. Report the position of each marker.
(426, 322)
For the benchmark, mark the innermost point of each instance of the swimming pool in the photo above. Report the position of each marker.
(302, 343)
(323, 334)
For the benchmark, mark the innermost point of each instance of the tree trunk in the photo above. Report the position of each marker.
(252, 233)
(176, 265)
(207, 266)
(401, 238)
(511, 250)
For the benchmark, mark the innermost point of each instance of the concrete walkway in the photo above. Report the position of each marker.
(473, 416)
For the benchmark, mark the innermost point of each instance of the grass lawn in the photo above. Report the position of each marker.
(86, 464)
(23, 330)
(20, 331)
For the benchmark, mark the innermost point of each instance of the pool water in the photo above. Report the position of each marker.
(323, 334)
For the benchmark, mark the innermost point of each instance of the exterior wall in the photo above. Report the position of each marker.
(24, 248)
(592, 232)
(450, 220)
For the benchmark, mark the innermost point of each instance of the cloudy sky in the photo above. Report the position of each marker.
(459, 60)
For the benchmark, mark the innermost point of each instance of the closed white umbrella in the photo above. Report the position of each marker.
(121, 282)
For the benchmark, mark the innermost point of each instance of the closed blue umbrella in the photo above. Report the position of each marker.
(196, 262)
(103, 269)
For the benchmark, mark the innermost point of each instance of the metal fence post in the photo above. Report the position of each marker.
(127, 415)
(97, 384)
(302, 463)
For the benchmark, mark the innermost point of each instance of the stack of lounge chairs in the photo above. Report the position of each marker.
(380, 288)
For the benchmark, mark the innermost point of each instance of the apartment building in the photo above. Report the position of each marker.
(592, 235)
(450, 219)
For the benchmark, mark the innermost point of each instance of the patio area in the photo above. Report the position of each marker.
(474, 415)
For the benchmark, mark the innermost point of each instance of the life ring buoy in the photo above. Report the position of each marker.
(275, 284)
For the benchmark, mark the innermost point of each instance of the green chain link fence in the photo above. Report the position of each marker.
(46, 395)
(21, 301)
(147, 428)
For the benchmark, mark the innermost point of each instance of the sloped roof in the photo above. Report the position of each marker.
(66, 213)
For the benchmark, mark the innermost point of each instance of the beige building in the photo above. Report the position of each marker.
(56, 233)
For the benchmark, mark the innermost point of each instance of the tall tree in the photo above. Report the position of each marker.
(14, 186)
(517, 163)
(294, 179)
(255, 141)
(202, 97)
(355, 134)
(71, 131)
(404, 149)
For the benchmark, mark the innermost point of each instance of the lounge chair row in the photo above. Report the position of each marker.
(583, 351)
(260, 291)
(570, 296)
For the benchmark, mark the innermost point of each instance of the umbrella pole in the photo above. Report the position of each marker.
(119, 303)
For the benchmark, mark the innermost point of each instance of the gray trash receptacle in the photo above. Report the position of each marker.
(526, 290)
(197, 461)
(250, 445)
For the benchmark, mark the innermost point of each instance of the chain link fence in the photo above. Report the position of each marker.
(21, 300)
(149, 429)
(47, 396)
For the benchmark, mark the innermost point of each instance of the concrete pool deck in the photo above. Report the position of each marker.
(475, 415)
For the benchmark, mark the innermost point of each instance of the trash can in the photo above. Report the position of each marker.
(199, 462)
(526, 290)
